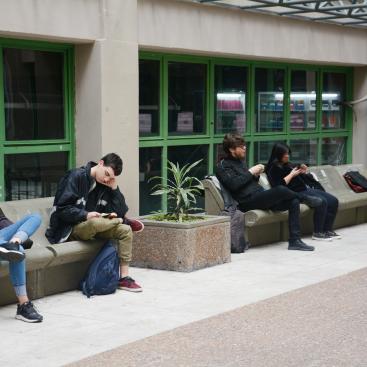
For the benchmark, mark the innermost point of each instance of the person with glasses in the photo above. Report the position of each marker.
(243, 184)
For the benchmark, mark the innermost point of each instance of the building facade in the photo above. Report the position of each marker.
(158, 80)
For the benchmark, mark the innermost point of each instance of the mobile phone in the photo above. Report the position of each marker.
(298, 166)
(105, 215)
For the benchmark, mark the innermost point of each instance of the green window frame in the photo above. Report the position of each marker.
(67, 144)
(210, 138)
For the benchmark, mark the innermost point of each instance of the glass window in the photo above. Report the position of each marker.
(190, 154)
(149, 86)
(33, 175)
(303, 100)
(230, 99)
(333, 93)
(186, 98)
(263, 150)
(269, 89)
(150, 165)
(33, 94)
(304, 151)
(334, 151)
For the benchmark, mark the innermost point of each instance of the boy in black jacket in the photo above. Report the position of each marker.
(243, 184)
(88, 204)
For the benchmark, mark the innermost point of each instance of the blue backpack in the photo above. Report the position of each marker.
(103, 274)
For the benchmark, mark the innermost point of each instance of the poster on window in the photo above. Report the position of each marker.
(185, 122)
(145, 122)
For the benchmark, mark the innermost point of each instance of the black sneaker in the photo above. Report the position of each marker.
(322, 237)
(300, 246)
(311, 201)
(10, 251)
(333, 235)
(27, 312)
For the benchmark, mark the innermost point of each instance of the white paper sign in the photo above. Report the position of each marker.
(185, 122)
(145, 122)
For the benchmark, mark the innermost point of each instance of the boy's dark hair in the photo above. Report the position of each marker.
(232, 141)
(114, 161)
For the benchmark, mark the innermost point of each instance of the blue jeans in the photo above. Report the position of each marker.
(324, 215)
(23, 229)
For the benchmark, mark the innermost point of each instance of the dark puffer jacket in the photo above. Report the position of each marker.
(74, 199)
(235, 177)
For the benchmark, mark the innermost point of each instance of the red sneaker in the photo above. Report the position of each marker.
(135, 224)
(129, 284)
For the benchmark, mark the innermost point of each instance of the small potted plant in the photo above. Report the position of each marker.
(178, 239)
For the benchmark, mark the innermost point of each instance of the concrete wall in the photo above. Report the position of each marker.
(360, 117)
(64, 21)
(107, 97)
(178, 26)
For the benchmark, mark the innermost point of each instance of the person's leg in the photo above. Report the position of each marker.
(21, 229)
(25, 309)
(332, 209)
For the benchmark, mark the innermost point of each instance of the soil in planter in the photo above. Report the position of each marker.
(171, 218)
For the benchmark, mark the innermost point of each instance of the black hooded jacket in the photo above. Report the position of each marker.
(77, 194)
(237, 179)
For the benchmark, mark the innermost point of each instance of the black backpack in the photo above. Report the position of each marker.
(356, 181)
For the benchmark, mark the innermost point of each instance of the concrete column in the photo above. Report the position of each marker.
(107, 97)
(360, 117)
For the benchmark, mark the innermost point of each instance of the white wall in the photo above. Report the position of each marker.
(178, 26)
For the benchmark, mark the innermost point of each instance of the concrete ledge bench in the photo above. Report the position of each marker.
(51, 269)
(266, 226)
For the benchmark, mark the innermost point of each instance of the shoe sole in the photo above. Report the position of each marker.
(322, 239)
(301, 249)
(14, 256)
(134, 290)
(22, 318)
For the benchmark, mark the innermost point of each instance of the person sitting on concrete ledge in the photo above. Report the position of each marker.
(88, 204)
(12, 237)
(281, 172)
(243, 185)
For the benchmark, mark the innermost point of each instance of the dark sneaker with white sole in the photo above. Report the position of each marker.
(300, 246)
(28, 313)
(10, 251)
(333, 235)
(321, 237)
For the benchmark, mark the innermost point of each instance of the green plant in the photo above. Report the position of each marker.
(181, 190)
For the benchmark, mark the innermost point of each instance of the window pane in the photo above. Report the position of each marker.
(263, 150)
(334, 151)
(190, 154)
(230, 98)
(33, 175)
(150, 165)
(303, 100)
(269, 88)
(186, 98)
(149, 85)
(33, 94)
(333, 93)
(304, 151)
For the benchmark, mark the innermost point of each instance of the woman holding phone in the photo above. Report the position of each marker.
(281, 171)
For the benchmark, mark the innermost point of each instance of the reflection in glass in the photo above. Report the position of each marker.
(149, 85)
(304, 151)
(33, 94)
(263, 150)
(333, 93)
(186, 98)
(334, 151)
(190, 154)
(230, 98)
(33, 175)
(303, 100)
(269, 106)
(150, 165)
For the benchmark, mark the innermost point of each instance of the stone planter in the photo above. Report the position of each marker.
(183, 246)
